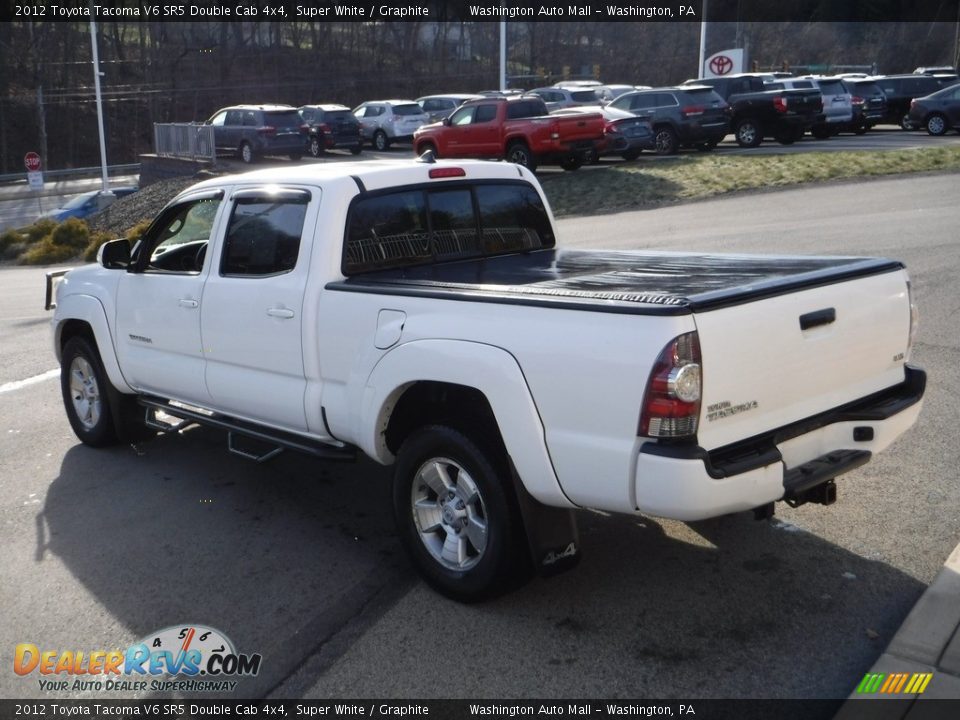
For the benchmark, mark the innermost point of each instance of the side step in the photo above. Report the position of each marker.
(277, 440)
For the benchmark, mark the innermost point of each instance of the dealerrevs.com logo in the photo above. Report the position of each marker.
(201, 659)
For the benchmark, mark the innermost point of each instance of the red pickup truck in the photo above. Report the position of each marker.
(515, 128)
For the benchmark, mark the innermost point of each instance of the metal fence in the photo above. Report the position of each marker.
(185, 140)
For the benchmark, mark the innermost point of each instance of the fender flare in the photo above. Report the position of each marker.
(489, 369)
(89, 309)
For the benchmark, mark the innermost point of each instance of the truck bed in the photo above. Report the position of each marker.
(635, 282)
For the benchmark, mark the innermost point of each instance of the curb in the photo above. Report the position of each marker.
(928, 641)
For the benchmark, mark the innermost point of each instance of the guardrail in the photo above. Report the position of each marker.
(184, 140)
(112, 170)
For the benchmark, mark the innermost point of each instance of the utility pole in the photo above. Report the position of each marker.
(703, 40)
(503, 54)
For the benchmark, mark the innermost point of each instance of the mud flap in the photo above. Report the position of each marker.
(552, 533)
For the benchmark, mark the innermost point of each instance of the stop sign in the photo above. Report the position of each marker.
(31, 161)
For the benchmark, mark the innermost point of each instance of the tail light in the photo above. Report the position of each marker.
(268, 130)
(671, 404)
(692, 110)
(324, 128)
(912, 103)
(914, 320)
(609, 127)
(780, 104)
(857, 100)
(305, 128)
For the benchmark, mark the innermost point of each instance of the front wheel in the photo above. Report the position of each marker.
(631, 154)
(84, 384)
(457, 515)
(380, 141)
(246, 153)
(936, 125)
(520, 154)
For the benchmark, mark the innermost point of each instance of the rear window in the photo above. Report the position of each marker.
(282, 119)
(704, 95)
(866, 88)
(338, 116)
(525, 109)
(584, 96)
(832, 86)
(454, 221)
(410, 109)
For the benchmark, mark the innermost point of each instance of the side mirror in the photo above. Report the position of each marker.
(446, 121)
(114, 255)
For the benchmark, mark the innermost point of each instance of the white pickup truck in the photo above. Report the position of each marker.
(419, 312)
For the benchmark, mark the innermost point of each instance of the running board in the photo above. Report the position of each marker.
(278, 440)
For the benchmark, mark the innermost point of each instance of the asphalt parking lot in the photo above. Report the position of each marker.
(297, 559)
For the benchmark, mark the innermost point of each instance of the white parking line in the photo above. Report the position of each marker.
(17, 384)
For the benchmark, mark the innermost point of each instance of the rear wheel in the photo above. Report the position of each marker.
(860, 129)
(571, 163)
(821, 132)
(666, 140)
(790, 135)
(706, 146)
(246, 153)
(457, 515)
(355, 150)
(519, 154)
(316, 147)
(632, 154)
(905, 123)
(747, 133)
(380, 141)
(936, 124)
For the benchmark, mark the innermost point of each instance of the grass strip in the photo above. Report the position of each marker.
(635, 185)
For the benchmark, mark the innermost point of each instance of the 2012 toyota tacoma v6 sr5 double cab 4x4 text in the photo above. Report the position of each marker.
(421, 313)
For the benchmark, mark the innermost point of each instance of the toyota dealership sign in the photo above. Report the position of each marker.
(725, 62)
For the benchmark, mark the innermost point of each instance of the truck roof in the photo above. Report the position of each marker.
(372, 174)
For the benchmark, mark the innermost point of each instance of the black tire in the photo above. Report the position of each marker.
(519, 154)
(747, 133)
(84, 384)
(789, 136)
(475, 492)
(821, 132)
(119, 417)
(355, 150)
(665, 139)
(706, 146)
(380, 141)
(861, 129)
(246, 153)
(316, 147)
(905, 123)
(296, 156)
(571, 163)
(936, 125)
(631, 154)
(428, 147)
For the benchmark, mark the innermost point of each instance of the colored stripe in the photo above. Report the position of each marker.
(912, 684)
(926, 681)
(903, 680)
(862, 687)
(876, 682)
(891, 679)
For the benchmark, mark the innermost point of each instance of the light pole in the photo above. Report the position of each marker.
(503, 55)
(105, 198)
(703, 39)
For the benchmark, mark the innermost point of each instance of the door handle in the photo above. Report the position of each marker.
(280, 312)
(188, 303)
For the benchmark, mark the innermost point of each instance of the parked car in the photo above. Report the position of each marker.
(384, 122)
(757, 112)
(900, 91)
(440, 106)
(86, 204)
(252, 131)
(837, 105)
(689, 116)
(331, 127)
(938, 112)
(559, 98)
(624, 133)
(869, 103)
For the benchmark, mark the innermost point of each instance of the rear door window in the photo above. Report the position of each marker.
(414, 227)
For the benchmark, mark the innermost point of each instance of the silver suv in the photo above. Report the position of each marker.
(560, 98)
(383, 122)
(837, 107)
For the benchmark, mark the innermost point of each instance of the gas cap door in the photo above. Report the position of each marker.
(389, 328)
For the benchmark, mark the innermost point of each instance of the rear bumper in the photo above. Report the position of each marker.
(690, 483)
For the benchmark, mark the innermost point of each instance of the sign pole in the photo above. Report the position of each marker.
(96, 85)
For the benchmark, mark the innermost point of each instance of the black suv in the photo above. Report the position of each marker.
(254, 130)
(900, 90)
(692, 116)
(869, 103)
(331, 127)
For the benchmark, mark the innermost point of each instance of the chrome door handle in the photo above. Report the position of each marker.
(188, 303)
(285, 313)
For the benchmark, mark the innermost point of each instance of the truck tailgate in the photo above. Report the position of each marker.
(785, 358)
